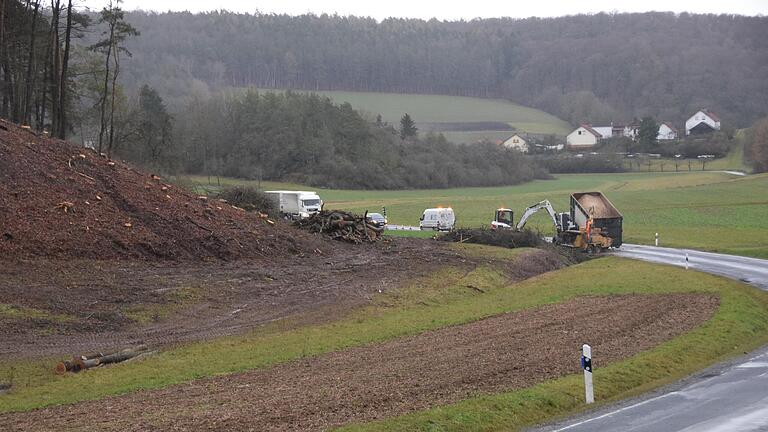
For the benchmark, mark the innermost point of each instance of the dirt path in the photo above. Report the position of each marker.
(361, 384)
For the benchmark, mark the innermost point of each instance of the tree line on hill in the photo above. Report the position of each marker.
(72, 74)
(593, 68)
(308, 139)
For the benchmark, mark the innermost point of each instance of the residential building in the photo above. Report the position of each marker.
(666, 132)
(583, 137)
(516, 142)
(704, 121)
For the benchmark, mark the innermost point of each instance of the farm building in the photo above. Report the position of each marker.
(704, 121)
(516, 142)
(583, 137)
(666, 132)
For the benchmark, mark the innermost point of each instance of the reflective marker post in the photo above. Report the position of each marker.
(686, 260)
(586, 364)
(657, 239)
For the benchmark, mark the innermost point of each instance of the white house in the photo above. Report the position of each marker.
(631, 130)
(583, 137)
(666, 132)
(704, 121)
(516, 142)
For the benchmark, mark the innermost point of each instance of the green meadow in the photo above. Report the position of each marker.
(453, 109)
(708, 210)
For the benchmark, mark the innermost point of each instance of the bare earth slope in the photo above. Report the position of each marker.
(63, 201)
(496, 354)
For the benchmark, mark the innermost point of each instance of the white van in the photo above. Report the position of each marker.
(438, 219)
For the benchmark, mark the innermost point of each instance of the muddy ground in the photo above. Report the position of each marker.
(435, 368)
(93, 305)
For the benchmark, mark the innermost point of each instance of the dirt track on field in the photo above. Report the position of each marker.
(361, 384)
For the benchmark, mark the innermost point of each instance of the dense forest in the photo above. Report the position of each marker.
(157, 89)
(594, 68)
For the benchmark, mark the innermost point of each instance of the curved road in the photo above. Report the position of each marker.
(727, 397)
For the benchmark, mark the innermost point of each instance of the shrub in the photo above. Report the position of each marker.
(501, 238)
(249, 198)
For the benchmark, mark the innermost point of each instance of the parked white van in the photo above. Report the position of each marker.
(438, 219)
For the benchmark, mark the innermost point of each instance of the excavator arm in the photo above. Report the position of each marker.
(530, 211)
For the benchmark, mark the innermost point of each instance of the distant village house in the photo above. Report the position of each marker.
(631, 130)
(583, 137)
(666, 132)
(516, 142)
(703, 122)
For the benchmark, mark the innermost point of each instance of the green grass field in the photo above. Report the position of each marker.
(450, 109)
(703, 210)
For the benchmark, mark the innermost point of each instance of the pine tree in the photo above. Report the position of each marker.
(115, 34)
(647, 133)
(407, 127)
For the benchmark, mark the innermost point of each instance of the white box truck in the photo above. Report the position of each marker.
(296, 204)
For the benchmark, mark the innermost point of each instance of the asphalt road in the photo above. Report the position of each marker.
(750, 270)
(727, 397)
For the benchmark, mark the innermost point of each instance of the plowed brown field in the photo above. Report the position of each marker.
(501, 353)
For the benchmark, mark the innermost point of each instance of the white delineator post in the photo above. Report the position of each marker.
(686, 260)
(657, 239)
(586, 364)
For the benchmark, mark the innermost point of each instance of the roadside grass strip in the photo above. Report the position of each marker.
(443, 299)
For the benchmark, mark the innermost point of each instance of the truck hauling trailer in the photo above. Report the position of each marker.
(296, 204)
(592, 224)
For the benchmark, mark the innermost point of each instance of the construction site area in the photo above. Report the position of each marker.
(98, 257)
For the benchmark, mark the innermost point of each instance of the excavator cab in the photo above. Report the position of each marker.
(502, 219)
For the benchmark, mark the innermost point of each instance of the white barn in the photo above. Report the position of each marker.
(583, 137)
(516, 142)
(666, 132)
(704, 121)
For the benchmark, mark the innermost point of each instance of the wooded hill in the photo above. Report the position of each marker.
(583, 68)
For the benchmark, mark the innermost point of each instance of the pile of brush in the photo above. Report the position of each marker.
(341, 225)
(501, 238)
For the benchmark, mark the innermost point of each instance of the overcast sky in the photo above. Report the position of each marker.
(449, 10)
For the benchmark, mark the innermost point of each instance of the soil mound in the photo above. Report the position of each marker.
(62, 201)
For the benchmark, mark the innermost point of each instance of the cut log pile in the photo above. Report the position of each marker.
(78, 364)
(341, 225)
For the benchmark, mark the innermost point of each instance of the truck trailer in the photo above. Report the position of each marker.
(296, 204)
(593, 223)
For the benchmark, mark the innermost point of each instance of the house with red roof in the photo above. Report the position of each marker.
(703, 122)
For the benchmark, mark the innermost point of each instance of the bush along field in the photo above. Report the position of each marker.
(712, 211)
(733, 318)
